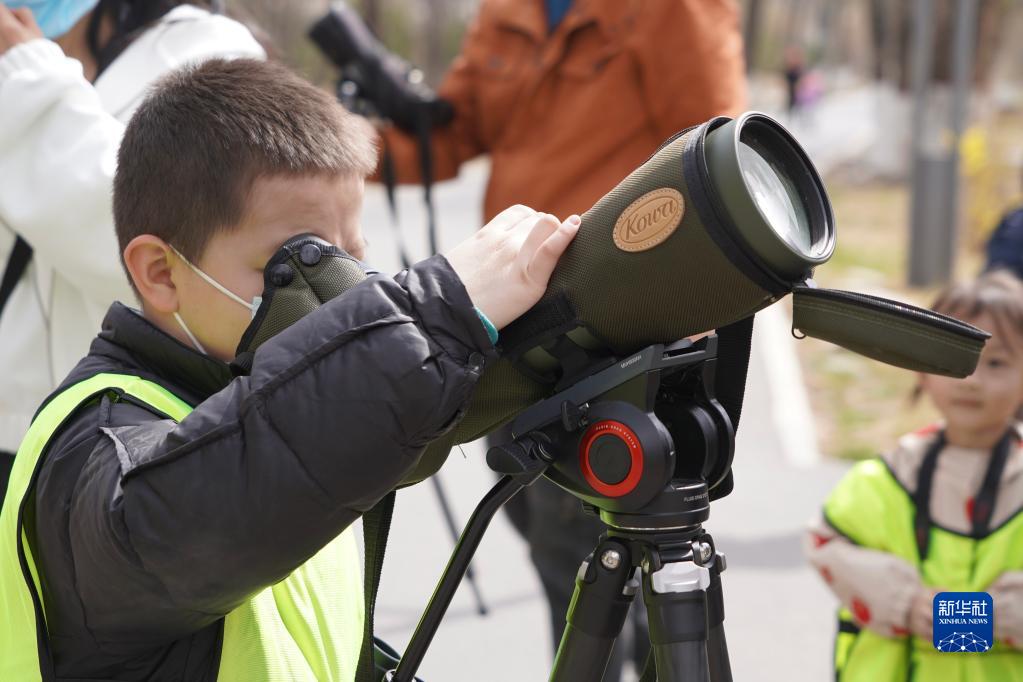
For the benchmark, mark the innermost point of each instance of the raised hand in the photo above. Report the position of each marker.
(505, 266)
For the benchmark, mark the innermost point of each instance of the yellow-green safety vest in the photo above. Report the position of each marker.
(871, 508)
(309, 626)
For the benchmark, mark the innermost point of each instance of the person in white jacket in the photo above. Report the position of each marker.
(68, 85)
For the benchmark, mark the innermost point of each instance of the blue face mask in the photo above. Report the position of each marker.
(55, 17)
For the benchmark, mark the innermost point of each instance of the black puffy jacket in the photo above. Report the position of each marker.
(265, 471)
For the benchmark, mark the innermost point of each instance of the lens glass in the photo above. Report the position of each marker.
(775, 195)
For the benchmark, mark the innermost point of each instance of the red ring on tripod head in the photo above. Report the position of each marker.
(609, 427)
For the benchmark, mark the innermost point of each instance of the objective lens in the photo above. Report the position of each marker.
(778, 209)
(775, 195)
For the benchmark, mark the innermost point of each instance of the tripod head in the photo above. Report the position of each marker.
(643, 441)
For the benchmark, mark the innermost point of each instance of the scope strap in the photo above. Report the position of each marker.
(553, 316)
(734, 343)
(17, 263)
(376, 524)
(423, 127)
(389, 178)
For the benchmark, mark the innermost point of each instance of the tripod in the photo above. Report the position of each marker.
(679, 574)
(610, 439)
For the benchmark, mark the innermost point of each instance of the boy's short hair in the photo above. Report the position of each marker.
(205, 133)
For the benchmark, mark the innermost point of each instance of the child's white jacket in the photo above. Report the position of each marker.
(59, 136)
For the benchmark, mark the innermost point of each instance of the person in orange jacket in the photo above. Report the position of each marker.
(568, 97)
(622, 75)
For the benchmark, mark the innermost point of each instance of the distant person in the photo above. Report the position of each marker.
(1005, 246)
(794, 68)
(941, 512)
(71, 74)
(568, 97)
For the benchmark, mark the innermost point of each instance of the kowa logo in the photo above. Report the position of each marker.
(649, 220)
(651, 216)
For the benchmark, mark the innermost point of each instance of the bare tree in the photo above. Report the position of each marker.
(891, 25)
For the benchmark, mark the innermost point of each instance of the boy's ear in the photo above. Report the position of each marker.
(149, 262)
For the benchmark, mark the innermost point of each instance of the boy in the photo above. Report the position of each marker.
(184, 525)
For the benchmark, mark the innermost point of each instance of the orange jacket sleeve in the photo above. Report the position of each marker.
(691, 63)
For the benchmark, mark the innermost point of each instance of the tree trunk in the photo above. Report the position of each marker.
(891, 30)
(751, 31)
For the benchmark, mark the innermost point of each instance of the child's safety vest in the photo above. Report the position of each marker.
(306, 627)
(872, 509)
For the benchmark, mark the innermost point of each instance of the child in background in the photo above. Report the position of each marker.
(941, 512)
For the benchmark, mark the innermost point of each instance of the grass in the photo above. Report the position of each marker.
(862, 406)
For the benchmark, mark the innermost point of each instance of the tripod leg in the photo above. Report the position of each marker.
(442, 595)
(717, 648)
(604, 590)
(676, 601)
(449, 518)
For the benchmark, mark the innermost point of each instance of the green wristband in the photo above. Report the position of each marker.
(488, 325)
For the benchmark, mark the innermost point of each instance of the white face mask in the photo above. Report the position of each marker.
(253, 307)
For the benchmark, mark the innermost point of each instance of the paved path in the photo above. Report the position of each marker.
(779, 616)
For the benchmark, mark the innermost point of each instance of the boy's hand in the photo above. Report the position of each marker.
(17, 26)
(505, 266)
